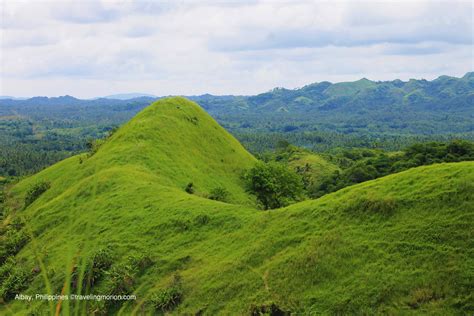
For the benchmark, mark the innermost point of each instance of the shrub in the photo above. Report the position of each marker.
(120, 279)
(141, 262)
(35, 191)
(6, 268)
(15, 278)
(103, 259)
(273, 184)
(189, 188)
(93, 145)
(219, 194)
(167, 299)
(112, 131)
(101, 262)
(11, 243)
(360, 174)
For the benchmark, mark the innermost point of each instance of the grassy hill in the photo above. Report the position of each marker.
(398, 244)
(313, 167)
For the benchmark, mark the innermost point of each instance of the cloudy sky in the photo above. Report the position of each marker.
(95, 48)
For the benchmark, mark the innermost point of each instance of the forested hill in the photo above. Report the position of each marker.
(39, 131)
(442, 94)
(380, 102)
(443, 105)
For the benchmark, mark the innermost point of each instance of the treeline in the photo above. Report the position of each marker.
(28, 147)
(363, 164)
(324, 141)
(37, 132)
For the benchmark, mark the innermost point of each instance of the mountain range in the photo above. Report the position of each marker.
(441, 106)
(321, 116)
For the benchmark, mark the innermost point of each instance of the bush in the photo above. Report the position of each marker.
(102, 259)
(219, 194)
(167, 299)
(6, 268)
(35, 191)
(274, 184)
(120, 279)
(11, 243)
(141, 262)
(101, 262)
(360, 174)
(93, 145)
(12, 239)
(189, 188)
(15, 278)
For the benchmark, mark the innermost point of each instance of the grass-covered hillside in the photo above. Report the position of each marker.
(312, 167)
(119, 220)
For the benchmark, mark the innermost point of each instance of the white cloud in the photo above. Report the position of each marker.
(92, 48)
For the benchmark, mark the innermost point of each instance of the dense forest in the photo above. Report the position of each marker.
(342, 167)
(390, 115)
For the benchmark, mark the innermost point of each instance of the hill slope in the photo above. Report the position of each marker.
(398, 243)
(173, 140)
(312, 167)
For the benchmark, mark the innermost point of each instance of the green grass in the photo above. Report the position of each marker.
(349, 88)
(314, 166)
(401, 244)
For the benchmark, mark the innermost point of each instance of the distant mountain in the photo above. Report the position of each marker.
(370, 108)
(128, 96)
(440, 94)
(2, 97)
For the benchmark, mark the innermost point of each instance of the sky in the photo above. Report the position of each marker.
(96, 48)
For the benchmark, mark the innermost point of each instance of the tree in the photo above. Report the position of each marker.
(274, 184)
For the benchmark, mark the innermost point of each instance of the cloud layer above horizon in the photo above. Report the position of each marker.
(95, 48)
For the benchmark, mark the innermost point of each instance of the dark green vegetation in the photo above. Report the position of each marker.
(121, 221)
(273, 184)
(391, 115)
(340, 168)
(37, 132)
(35, 191)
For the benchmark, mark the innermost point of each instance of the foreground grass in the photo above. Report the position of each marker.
(398, 244)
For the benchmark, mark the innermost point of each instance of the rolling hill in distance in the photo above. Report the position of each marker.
(319, 116)
(128, 96)
(397, 243)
